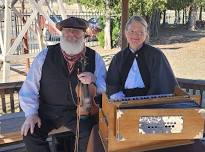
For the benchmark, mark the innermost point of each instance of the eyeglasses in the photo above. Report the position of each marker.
(130, 32)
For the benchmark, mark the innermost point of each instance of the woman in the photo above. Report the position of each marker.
(139, 69)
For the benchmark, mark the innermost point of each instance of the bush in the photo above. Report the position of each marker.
(115, 31)
(101, 38)
(101, 35)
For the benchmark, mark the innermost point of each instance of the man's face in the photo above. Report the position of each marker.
(72, 40)
(72, 35)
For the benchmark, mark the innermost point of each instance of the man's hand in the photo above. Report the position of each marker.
(87, 77)
(30, 123)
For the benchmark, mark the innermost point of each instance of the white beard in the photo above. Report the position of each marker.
(71, 48)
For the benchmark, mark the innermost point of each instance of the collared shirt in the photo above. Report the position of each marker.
(29, 93)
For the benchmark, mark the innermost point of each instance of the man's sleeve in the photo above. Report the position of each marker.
(29, 92)
(100, 74)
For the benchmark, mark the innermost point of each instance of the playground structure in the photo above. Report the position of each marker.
(27, 26)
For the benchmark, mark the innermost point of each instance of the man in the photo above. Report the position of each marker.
(48, 95)
(140, 69)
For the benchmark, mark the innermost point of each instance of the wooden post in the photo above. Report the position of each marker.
(26, 26)
(1, 40)
(37, 7)
(124, 19)
(62, 9)
(40, 32)
(7, 40)
(25, 39)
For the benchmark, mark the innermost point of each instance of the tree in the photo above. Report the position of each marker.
(107, 26)
(177, 5)
(107, 7)
(201, 5)
(151, 10)
(193, 7)
(192, 16)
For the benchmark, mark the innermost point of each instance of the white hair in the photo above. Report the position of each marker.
(72, 48)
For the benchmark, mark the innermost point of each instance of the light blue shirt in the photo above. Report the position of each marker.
(29, 93)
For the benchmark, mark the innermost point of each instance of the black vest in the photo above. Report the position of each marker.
(57, 85)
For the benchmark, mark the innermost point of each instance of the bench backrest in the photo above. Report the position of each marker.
(193, 87)
(9, 97)
(10, 103)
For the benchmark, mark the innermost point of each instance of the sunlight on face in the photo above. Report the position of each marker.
(72, 40)
(136, 35)
(72, 35)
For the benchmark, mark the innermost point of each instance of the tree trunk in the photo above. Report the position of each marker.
(178, 17)
(175, 15)
(142, 9)
(192, 17)
(200, 13)
(164, 17)
(124, 18)
(79, 6)
(107, 26)
(186, 16)
(155, 24)
(183, 19)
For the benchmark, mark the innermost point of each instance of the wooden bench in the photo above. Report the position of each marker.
(12, 117)
(11, 121)
(194, 87)
(9, 97)
(10, 128)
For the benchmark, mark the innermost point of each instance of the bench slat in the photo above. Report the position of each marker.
(11, 93)
(3, 101)
(8, 92)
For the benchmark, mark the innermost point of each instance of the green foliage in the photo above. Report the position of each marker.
(102, 22)
(100, 4)
(101, 38)
(115, 31)
(93, 4)
(101, 35)
(181, 4)
(200, 2)
(177, 4)
(145, 8)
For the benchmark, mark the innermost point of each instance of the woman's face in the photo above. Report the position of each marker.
(136, 34)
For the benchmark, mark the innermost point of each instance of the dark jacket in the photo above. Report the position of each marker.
(154, 67)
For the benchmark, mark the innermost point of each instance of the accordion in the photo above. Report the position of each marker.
(150, 122)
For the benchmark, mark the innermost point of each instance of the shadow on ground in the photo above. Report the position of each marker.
(177, 34)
